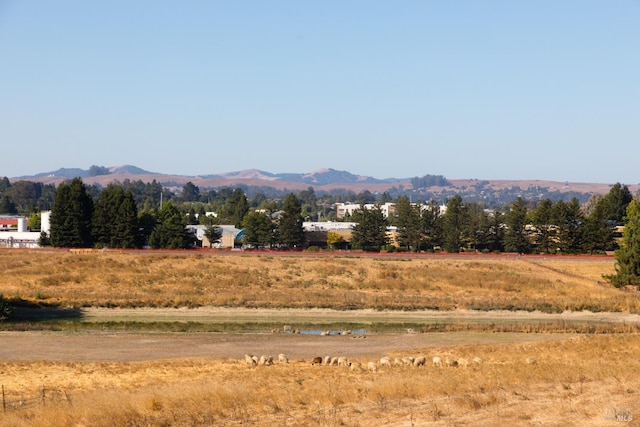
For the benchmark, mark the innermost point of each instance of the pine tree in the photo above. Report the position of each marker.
(628, 256)
(453, 223)
(370, 232)
(516, 237)
(235, 208)
(258, 230)
(71, 216)
(291, 231)
(170, 232)
(410, 225)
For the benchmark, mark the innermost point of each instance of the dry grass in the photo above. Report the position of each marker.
(577, 381)
(580, 380)
(196, 279)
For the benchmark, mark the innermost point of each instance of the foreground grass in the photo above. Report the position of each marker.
(193, 280)
(578, 381)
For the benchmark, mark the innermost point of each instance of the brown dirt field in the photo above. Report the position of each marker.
(128, 347)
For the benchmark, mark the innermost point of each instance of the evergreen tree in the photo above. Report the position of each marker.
(516, 237)
(115, 219)
(453, 224)
(5, 184)
(370, 232)
(628, 256)
(617, 201)
(432, 224)
(235, 208)
(597, 232)
(213, 233)
(126, 224)
(408, 219)
(258, 230)
(190, 192)
(568, 219)
(495, 232)
(105, 213)
(475, 231)
(170, 232)
(71, 216)
(291, 231)
(7, 206)
(544, 228)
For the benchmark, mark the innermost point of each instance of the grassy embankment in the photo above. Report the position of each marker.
(195, 280)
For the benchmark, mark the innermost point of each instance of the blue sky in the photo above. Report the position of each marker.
(465, 89)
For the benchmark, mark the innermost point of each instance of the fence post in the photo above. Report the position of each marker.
(4, 403)
(43, 396)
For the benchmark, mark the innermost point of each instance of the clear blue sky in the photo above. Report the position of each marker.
(466, 89)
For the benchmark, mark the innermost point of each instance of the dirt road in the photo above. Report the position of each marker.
(131, 346)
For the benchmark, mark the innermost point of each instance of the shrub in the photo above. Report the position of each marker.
(6, 309)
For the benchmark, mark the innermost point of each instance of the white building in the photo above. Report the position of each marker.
(21, 237)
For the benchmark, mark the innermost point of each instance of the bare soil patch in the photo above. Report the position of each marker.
(111, 345)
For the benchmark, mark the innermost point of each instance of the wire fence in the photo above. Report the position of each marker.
(14, 400)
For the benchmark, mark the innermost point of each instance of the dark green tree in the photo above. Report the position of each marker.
(453, 224)
(568, 219)
(258, 230)
(628, 256)
(516, 238)
(115, 219)
(170, 231)
(617, 201)
(597, 233)
(4, 184)
(6, 309)
(496, 232)
(71, 216)
(370, 231)
(291, 231)
(408, 219)
(213, 233)
(432, 224)
(190, 192)
(126, 227)
(7, 206)
(544, 227)
(475, 230)
(235, 208)
(147, 222)
(105, 212)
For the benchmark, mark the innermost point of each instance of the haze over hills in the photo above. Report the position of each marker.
(331, 180)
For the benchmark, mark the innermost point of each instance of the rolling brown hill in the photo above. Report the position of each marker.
(321, 180)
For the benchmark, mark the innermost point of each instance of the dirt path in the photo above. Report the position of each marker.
(324, 316)
(129, 346)
(122, 347)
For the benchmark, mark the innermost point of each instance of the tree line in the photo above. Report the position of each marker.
(522, 227)
(127, 214)
(115, 218)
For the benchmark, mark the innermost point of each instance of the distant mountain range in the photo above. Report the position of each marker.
(319, 177)
(331, 180)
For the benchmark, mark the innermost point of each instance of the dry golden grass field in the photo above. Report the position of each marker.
(102, 369)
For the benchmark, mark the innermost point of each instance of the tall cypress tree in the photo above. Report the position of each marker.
(71, 216)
